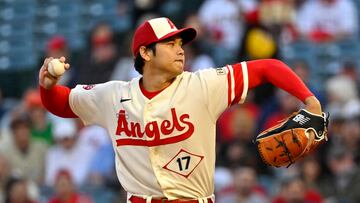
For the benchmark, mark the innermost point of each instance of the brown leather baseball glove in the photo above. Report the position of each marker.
(293, 138)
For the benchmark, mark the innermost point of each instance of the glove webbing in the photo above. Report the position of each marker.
(286, 152)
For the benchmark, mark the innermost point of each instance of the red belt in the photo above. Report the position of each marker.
(135, 199)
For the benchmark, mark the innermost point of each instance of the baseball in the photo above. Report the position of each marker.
(56, 67)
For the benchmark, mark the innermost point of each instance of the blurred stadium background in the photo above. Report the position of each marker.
(44, 158)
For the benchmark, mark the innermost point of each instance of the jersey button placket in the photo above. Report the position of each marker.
(146, 113)
(154, 151)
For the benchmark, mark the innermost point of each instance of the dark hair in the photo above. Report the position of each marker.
(20, 120)
(139, 61)
(10, 185)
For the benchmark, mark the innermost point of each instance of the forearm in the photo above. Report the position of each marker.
(278, 74)
(313, 105)
(56, 100)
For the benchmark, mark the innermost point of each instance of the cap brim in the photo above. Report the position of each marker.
(187, 35)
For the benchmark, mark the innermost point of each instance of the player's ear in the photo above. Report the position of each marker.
(145, 53)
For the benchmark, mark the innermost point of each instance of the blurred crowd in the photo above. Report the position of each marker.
(44, 158)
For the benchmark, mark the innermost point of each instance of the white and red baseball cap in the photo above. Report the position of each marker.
(158, 29)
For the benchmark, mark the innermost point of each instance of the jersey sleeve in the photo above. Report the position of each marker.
(89, 102)
(224, 86)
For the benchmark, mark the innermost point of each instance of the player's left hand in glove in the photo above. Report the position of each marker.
(293, 138)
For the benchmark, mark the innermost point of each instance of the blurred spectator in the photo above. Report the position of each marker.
(342, 102)
(246, 188)
(350, 69)
(343, 184)
(345, 128)
(26, 156)
(279, 17)
(238, 123)
(243, 124)
(197, 53)
(97, 65)
(202, 41)
(4, 175)
(17, 191)
(311, 172)
(195, 60)
(224, 27)
(223, 180)
(327, 20)
(67, 154)
(350, 136)
(237, 153)
(94, 137)
(65, 190)
(336, 124)
(144, 6)
(102, 167)
(56, 47)
(276, 14)
(294, 190)
(224, 131)
(100, 153)
(41, 127)
(178, 10)
(124, 69)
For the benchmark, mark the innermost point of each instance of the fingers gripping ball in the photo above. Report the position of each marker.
(292, 139)
(56, 67)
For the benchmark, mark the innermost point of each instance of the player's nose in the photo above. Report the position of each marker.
(180, 51)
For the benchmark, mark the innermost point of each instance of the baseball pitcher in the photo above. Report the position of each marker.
(162, 124)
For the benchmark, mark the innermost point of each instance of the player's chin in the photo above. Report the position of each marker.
(178, 68)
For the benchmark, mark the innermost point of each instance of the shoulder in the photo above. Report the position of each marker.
(212, 72)
(113, 83)
(205, 71)
(101, 87)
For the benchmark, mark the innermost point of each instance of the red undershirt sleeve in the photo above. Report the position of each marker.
(278, 74)
(56, 100)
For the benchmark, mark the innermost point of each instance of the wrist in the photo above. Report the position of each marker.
(313, 105)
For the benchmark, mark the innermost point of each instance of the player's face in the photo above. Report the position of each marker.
(170, 56)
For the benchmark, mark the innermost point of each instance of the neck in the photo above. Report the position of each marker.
(154, 81)
(23, 148)
(153, 85)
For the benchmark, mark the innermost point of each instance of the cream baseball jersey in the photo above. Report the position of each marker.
(164, 146)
